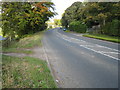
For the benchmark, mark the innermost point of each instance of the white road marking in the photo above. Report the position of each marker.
(89, 43)
(107, 48)
(100, 53)
(74, 40)
(110, 52)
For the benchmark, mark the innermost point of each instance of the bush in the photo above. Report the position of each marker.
(112, 28)
(77, 27)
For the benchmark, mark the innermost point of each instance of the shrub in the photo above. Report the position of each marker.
(112, 28)
(77, 27)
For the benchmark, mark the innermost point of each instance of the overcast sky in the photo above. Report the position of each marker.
(62, 5)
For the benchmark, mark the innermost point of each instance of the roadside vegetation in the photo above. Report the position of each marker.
(25, 72)
(23, 45)
(23, 25)
(23, 18)
(57, 22)
(104, 37)
(100, 19)
(77, 26)
(20, 23)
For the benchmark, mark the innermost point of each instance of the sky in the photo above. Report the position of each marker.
(62, 5)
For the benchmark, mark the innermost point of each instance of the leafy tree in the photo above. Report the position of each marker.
(57, 22)
(64, 21)
(71, 14)
(101, 11)
(112, 28)
(93, 14)
(20, 18)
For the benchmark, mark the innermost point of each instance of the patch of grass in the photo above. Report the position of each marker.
(67, 31)
(30, 41)
(104, 37)
(25, 72)
(15, 50)
(20, 46)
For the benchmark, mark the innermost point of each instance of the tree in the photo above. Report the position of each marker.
(96, 14)
(57, 22)
(20, 18)
(101, 11)
(71, 14)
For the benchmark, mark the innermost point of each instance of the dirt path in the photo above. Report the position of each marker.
(38, 52)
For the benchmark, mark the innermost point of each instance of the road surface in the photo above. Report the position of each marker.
(81, 62)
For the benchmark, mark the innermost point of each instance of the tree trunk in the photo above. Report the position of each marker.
(104, 22)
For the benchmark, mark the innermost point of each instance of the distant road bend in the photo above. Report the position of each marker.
(81, 62)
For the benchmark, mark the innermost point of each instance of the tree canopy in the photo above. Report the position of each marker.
(91, 13)
(71, 14)
(21, 18)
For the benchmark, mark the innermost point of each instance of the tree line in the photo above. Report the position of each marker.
(102, 17)
(22, 18)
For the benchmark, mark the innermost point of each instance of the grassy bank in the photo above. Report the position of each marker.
(27, 42)
(25, 72)
(104, 37)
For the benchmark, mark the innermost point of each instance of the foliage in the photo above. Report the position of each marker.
(93, 14)
(112, 28)
(23, 45)
(71, 14)
(77, 26)
(102, 12)
(21, 18)
(57, 22)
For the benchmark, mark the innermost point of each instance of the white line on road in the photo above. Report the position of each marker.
(100, 52)
(107, 48)
(70, 39)
(87, 42)
(110, 52)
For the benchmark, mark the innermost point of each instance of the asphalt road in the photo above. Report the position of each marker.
(81, 62)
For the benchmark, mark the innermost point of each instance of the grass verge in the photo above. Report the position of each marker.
(67, 31)
(15, 50)
(25, 72)
(27, 42)
(104, 37)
